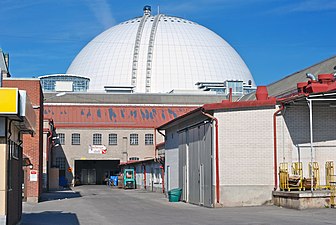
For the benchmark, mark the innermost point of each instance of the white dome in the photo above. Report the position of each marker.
(171, 53)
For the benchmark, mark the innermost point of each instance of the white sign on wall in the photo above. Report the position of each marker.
(63, 86)
(33, 175)
(97, 149)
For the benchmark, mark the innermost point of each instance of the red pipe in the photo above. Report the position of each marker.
(216, 155)
(155, 153)
(230, 95)
(275, 147)
(144, 176)
(162, 176)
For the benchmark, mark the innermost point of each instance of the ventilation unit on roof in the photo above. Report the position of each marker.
(147, 10)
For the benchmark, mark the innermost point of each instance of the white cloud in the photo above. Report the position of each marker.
(102, 11)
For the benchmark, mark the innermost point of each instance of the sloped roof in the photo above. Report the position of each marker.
(3, 65)
(287, 85)
(134, 98)
(112, 116)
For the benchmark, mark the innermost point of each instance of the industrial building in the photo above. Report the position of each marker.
(126, 82)
(229, 153)
(93, 138)
(165, 72)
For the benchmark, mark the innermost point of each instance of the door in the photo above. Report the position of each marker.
(92, 176)
(206, 156)
(194, 165)
(183, 165)
(84, 176)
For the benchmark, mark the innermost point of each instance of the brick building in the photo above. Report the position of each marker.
(32, 146)
(97, 131)
(17, 119)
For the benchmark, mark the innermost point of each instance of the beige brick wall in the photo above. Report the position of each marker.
(294, 141)
(114, 152)
(246, 147)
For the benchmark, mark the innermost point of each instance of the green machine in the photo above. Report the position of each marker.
(129, 179)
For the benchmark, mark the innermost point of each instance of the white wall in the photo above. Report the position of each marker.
(246, 156)
(171, 160)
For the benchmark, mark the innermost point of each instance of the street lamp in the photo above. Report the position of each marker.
(57, 95)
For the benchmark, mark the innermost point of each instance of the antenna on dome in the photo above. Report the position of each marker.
(147, 10)
(158, 12)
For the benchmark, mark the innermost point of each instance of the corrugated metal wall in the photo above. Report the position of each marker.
(183, 164)
(195, 149)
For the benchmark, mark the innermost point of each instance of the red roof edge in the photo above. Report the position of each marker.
(160, 144)
(135, 162)
(244, 104)
(179, 117)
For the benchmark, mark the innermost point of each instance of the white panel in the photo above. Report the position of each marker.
(63, 86)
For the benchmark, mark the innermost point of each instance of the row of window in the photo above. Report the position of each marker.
(112, 139)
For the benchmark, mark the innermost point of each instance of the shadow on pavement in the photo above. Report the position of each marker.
(57, 195)
(50, 218)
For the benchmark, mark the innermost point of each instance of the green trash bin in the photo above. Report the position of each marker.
(174, 195)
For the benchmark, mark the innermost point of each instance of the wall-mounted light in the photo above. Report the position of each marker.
(27, 163)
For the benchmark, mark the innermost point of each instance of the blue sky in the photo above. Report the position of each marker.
(274, 37)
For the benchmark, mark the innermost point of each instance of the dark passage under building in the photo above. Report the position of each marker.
(95, 171)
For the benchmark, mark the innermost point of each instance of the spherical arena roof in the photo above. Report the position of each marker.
(157, 54)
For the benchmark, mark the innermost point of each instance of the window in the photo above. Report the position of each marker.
(113, 139)
(61, 137)
(148, 139)
(134, 139)
(75, 139)
(97, 139)
(60, 163)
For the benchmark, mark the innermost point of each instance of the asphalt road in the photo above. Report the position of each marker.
(91, 205)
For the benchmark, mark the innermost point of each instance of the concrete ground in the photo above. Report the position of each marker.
(90, 205)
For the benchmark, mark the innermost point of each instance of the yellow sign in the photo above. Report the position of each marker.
(9, 101)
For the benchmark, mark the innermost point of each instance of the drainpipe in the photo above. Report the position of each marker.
(216, 154)
(145, 181)
(275, 147)
(310, 105)
(48, 144)
(155, 153)
(162, 177)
